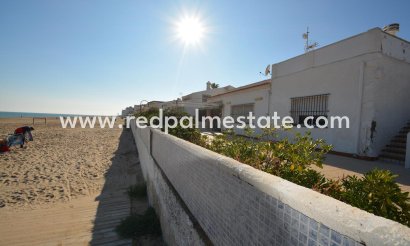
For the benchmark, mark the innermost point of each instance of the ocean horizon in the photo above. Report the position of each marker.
(5, 114)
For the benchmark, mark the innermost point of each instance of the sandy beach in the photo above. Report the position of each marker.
(58, 166)
(71, 183)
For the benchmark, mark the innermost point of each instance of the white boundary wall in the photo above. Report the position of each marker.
(177, 226)
(236, 204)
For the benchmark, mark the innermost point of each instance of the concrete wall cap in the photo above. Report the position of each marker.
(341, 217)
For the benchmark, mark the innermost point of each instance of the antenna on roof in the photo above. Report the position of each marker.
(392, 29)
(267, 71)
(309, 46)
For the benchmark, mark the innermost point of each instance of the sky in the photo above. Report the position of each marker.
(98, 57)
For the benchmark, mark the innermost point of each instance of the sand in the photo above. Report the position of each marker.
(58, 166)
(68, 186)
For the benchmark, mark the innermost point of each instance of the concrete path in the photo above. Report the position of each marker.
(83, 221)
(74, 223)
(336, 166)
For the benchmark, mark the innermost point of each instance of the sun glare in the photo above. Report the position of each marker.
(190, 30)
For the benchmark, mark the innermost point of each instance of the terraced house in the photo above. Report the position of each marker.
(365, 77)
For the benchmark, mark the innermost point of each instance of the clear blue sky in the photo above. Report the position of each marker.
(97, 57)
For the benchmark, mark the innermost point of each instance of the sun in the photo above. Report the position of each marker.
(190, 30)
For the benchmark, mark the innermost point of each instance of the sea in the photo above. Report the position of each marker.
(28, 114)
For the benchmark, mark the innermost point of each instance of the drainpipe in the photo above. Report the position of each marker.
(407, 160)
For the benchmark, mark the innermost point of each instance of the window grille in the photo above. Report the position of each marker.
(302, 107)
(241, 110)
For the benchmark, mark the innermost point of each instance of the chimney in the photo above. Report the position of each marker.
(208, 86)
(392, 29)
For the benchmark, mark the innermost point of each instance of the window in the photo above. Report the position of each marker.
(205, 98)
(241, 110)
(302, 107)
(186, 98)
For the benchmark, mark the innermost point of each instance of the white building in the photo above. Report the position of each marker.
(152, 104)
(240, 101)
(127, 111)
(171, 104)
(365, 77)
(199, 99)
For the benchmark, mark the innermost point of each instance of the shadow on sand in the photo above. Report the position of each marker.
(114, 203)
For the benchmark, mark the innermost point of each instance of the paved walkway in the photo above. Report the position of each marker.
(83, 221)
(65, 224)
(336, 166)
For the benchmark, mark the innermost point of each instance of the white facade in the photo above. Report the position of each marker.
(256, 95)
(199, 100)
(127, 111)
(170, 104)
(365, 77)
(155, 104)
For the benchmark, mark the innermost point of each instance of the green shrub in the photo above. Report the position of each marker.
(302, 152)
(237, 147)
(378, 193)
(137, 191)
(192, 135)
(271, 156)
(151, 112)
(308, 178)
(139, 225)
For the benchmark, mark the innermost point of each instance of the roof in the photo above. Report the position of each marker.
(245, 87)
(155, 102)
(370, 42)
(218, 90)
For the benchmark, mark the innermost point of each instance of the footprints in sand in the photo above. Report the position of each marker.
(60, 164)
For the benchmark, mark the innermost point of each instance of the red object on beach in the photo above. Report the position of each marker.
(19, 130)
(4, 148)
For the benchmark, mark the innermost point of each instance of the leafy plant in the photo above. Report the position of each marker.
(189, 134)
(139, 225)
(272, 156)
(378, 193)
(237, 147)
(302, 152)
(137, 191)
(149, 113)
(214, 85)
